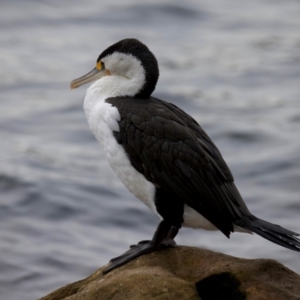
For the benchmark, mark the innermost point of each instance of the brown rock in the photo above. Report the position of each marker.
(187, 273)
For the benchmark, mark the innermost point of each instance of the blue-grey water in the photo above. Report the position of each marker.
(234, 65)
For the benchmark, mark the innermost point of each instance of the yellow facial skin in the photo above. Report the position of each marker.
(99, 65)
(98, 72)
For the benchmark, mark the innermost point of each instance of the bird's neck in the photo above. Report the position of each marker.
(115, 86)
(111, 86)
(101, 116)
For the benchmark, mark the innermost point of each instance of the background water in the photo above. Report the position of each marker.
(234, 65)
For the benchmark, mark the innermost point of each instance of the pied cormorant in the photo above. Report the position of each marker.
(162, 154)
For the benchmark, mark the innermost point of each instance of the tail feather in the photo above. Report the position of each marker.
(271, 232)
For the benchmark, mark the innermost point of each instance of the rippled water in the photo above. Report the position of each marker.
(235, 66)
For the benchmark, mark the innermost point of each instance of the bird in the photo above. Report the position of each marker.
(162, 155)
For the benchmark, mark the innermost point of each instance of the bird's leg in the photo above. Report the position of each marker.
(156, 243)
(169, 240)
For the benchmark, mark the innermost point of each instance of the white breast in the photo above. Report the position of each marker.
(102, 118)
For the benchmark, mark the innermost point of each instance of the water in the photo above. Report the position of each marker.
(235, 66)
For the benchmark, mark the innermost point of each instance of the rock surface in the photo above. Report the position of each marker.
(187, 274)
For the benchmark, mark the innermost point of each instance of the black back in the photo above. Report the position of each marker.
(172, 151)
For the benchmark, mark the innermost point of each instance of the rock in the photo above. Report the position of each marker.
(187, 274)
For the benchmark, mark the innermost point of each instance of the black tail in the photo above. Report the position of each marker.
(271, 232)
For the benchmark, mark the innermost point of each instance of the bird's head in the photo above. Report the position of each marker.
(131, 67)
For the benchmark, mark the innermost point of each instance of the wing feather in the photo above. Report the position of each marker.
(171, 150)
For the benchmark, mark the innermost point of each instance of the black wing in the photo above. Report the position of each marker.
(171, 150)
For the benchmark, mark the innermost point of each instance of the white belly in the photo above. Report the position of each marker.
(132, 179)
(102, 118)
(193, 219)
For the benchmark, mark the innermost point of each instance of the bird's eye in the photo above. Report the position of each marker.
(100, 65)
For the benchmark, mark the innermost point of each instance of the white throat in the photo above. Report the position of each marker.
(127, 79)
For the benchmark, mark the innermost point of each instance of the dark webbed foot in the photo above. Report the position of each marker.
(163, 238)
(140, 243)
(132, 253)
